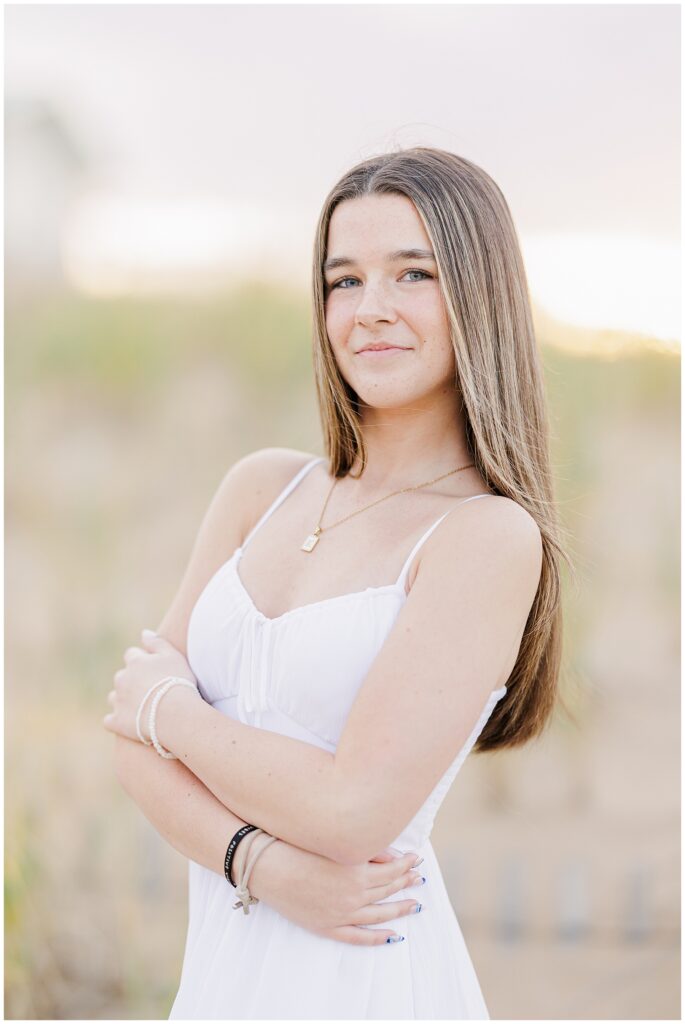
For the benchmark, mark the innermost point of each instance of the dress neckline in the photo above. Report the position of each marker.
(397, 588)
(389, 588)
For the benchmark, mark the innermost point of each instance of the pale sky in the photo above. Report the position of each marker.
(233, 121)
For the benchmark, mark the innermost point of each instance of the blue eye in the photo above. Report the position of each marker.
(339, 284)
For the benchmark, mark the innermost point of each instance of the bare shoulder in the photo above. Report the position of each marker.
(495, 538)
(256, 479)
(244, 493)
(504, 518)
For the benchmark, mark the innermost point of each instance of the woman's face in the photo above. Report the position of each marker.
(377, 291)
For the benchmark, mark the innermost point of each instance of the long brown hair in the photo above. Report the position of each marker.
(498, 380)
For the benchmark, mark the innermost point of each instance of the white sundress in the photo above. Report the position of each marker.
(298, 674)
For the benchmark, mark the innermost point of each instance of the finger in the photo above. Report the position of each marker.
(131, 653)
(405, 881)
(111, 696)
(107, 722)
(381, 913)
(381, 874)
(153, 641)
(385, 855)
(362, 936)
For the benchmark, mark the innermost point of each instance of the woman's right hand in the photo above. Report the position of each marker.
(331, 899)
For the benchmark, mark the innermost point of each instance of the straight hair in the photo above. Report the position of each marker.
(498, 382)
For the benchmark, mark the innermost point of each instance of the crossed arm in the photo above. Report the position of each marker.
(455, 640)
(181, 808)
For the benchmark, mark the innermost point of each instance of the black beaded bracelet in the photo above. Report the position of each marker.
(232, 847)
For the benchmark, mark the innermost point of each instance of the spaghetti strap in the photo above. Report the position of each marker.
(281, 497)
(405, 568)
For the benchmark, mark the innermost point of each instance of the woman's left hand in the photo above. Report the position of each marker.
(145, 666)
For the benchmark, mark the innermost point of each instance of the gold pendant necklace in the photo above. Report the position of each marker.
(313, 539)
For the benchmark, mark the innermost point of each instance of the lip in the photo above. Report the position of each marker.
(380, 348)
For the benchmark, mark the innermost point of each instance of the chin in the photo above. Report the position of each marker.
(380, 397)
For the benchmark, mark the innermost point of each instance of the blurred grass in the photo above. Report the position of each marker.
(122, 416)
(121, 349)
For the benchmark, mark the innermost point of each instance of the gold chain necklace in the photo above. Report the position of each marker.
(313, 538)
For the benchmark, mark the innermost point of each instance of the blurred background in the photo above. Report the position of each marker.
(165, 166)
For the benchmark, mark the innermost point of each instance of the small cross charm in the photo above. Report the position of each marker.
(312, 540)
(245, 905)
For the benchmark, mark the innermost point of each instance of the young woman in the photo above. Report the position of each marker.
(357, 623)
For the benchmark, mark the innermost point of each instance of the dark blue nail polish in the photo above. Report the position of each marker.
(395, 938)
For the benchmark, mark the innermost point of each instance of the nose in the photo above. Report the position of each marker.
(374, 305)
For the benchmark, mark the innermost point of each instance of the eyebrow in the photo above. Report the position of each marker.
(392, 257)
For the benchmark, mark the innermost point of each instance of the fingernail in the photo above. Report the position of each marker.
(395, 938)
(418, 908)
(417, 862)
(149, 632)
(423, 880)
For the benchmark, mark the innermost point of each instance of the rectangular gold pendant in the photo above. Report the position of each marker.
(310, 543)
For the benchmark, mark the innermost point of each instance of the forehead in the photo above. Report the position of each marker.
(375, 224)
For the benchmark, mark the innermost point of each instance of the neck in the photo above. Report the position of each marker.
(408, 446)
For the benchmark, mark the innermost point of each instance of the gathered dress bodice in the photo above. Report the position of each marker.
(298, 673)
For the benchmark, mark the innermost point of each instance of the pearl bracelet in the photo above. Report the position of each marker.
(139, 731)
(171, 681)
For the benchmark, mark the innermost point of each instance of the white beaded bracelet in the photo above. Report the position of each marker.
(172, 681)
(139, 731)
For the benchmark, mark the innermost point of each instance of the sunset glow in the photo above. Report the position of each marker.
(114, 245)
